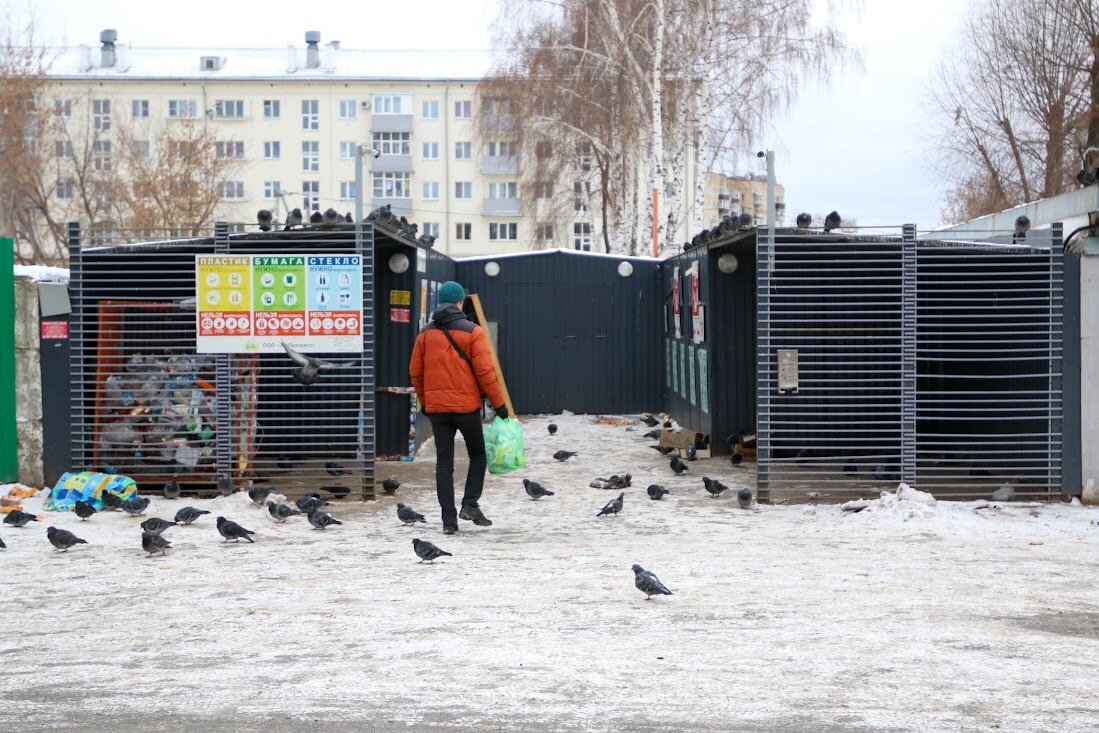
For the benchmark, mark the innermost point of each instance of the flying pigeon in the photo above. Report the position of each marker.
(154, 525)
(258, 495)
(171, 489)
(310, 502)
(230, 530)
(1004, 493)
(744, 498)
(535, 490)
(154, 543)
(321, 520)
(427, 551)
(662, 449)
(653, 435)
(564, 455)
(656, 492)
(83, 509)
(390, 485)
(188, 514)
(63, 539)
(613, 506)
(136, 506)
(309, 368)
(714, 486)
(280, 512)
(409, 516)
(648, 583)
(110, 502)
(677, 465)
(335, 468)
(19, 519)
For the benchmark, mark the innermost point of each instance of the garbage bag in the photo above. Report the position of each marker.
(504, 445)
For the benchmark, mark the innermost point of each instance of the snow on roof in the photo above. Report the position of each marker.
(42, 273)
(286, 64)
(559, 250)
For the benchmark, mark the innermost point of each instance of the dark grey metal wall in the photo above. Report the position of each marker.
(573, 334)
(687, 366)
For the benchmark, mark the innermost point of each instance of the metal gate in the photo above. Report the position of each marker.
(882, 359)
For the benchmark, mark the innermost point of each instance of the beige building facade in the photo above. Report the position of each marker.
(734, 195)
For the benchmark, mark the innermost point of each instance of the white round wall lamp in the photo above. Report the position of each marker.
(625, 269)
(398, 263)
(492, 269)
(728, 263)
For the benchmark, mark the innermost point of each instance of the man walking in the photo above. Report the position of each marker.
(451, 369)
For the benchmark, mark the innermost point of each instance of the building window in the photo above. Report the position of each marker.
(583, 155)
(463, 230)
(463, 189)
(65, 190)
(581, 236)
(311, 195)
(581, 193)
(497, 106)
(431, 229)
(543, 190)
(347, 149)
(504, 149)
(392, 104)
(430, 190)
(429, 109)
(347, 190)
(64, 149)
(431, 151)
(101, 155)
(463, 151)
(142, 149)
(271, 109)
(101, 114)
(310, 114)
(232, 190)
(508, 231)
(463, 109)
(272, 149)
(140, 108)
(393, 143)
(63, 107)
(229, 109)
(347, 109)
(229, 148)
(503, 190)
(182, 109)
(393, 185)
(310, 155)
(543, 149)
(272, 189)
(544, 232)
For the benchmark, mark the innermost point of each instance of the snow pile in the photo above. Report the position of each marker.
(906, 503)
(42, 273)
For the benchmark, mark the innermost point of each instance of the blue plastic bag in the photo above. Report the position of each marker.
(504, 446)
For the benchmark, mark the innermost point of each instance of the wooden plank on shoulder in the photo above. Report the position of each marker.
(483, 322)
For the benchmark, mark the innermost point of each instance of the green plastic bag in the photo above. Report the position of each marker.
(504, 446)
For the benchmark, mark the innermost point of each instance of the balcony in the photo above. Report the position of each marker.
(501, 207)
(391, 123)
(399, 207)
(498, 122)
(391, 164)
(499, 164)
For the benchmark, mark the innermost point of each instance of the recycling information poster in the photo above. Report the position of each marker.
(253, 303)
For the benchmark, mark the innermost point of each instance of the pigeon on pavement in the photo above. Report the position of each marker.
(83, 509)
(613, 506)
(309, 368)
(656, 492)
(390, 485)
(281, 512)
(335, 468)
(648, 583)
(154, 525)
(535, 490)
(136, 506)
(188, 514)
(63, 539)
(320, 519)
(171, 489)
(714, 486)
(230, 530)
(427, 551)
(736, 459)
(19, 518)
(744, 498)
(564, 455)
(677, 465)
(154, 543)
(552, 428)
(258, 495)
(409, 516)
(110, 502)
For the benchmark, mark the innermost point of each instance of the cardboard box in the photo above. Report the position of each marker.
(680, 439)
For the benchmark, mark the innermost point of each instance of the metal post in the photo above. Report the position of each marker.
(908, 354)
(223, 445)
(771, 216)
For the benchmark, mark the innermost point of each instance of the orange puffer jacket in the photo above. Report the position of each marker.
(443, 380)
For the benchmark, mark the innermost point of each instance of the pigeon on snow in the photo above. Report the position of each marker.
(552, 428)
(309, 502)
(564, 455)
(409, 516)
(714, 486)
(648, 583)
(677, 465)
(110, 502)
(662, 449)
(171, 489)
(744, 498)
(154, 525)
(427, 551)
(19, 519)
(258, 495)
(653, 434)
(320, 519)
(154, 543)
(2, 545)
(281, 512)
(63, 539)
(650, 421)
(390, 485)
(188, 514)
(613, 506)
(230, 530)
(83, 509)
(535, 490)
(136, 506)
(309, 368)
(656, 492)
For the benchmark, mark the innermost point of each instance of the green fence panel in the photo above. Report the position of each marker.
(9, 438)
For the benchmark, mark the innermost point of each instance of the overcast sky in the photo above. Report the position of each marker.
(863, 147)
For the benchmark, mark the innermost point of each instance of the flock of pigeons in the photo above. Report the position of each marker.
(154, 542)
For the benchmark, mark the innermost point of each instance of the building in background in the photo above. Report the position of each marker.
(733, 195)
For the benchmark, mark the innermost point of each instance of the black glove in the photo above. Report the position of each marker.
(502, 412)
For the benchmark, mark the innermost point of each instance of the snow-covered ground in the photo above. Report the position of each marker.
(905, 616)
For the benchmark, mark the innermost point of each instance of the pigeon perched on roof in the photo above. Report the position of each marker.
(17, 518)
(656, 492)
(1004, 493)
(650, 421)
(309, 368)
(677, 465)
(714, 486)
(258, 495)
(564, 455)
(409, 516)
(321, 520)
(427, 551)
(310, 502)
(63, 539)
(316, 218)
(648, 583)
(390, 485)
(335, 468)
(535, 490)
(155, 525)
(83, 509)
(110, 502)
(189, 514)
(744, 498)
(153, 543)
(230, 530)
(662, 449)
(136, 506)
(832, 221)
(552, 428)
(171, 489)
(613, 506)
(280, 512)
(293, 219)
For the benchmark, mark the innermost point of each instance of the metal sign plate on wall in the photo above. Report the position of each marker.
(788, 371)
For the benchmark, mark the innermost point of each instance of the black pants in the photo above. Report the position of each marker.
(444, 425)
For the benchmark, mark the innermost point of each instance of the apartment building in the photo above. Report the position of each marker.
(734, 195)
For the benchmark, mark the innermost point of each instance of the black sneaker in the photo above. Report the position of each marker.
(475, 515)
(450, 530)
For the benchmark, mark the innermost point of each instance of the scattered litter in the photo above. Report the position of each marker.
(1037, 542)
(13, 495)
(817, 494)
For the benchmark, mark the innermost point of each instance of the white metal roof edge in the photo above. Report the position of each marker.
(556, 250)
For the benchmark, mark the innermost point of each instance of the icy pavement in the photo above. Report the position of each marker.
(905, 616)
